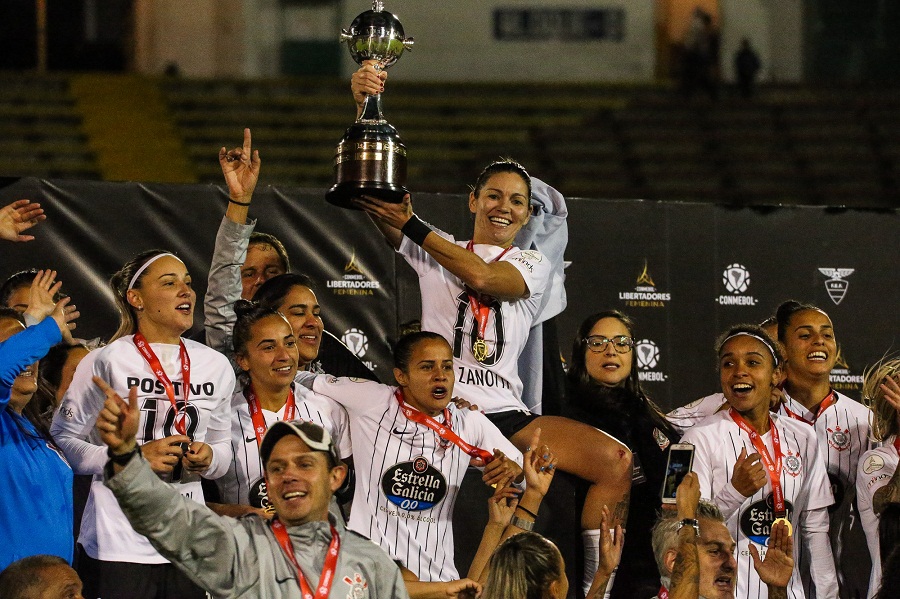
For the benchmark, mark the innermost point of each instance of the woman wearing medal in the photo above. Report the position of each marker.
(411, 448)
(841, 424)
(184, 389)
(760, 468)
(267, 352)
(482, 296)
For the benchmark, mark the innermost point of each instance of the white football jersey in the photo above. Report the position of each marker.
(407, 477)
(105, 532)
(245, 482)
(843, 433)
(494, 383)
(687, 416)
(718, 442)
(875, 470)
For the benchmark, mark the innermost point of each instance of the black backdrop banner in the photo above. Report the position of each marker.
(684, 271)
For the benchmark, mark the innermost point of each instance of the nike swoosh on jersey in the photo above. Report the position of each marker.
(398, 432)
(251, 439)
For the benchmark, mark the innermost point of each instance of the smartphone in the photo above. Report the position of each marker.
(681, 458)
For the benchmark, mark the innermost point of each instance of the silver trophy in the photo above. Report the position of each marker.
(370, 159)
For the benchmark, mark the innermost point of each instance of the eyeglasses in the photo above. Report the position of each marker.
(598, 343)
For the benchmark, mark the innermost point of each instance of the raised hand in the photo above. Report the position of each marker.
(749, 475)
(778, 565)
(390, 213)
(118, 421)
(687, 496)
(40, 298)
(611, 544)
(891, 390)
(540, 465)
(502, 504)
(20, 216)
(241, 169)
(367, 81)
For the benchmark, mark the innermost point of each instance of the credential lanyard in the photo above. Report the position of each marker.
(256, 415)
(829, 401)
(144, 348)
(773, 466)
(444, 432)
(327, 577)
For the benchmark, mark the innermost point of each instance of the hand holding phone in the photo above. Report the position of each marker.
(679, 463)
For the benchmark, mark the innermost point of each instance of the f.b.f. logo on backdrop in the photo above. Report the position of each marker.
(835, 285)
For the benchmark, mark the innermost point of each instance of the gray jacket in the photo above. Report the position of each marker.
(224, 284)
(232, 558)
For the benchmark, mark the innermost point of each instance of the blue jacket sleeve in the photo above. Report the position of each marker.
(22, 349)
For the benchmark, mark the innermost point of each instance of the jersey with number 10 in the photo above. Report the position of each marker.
(494, 382)
(105, 532)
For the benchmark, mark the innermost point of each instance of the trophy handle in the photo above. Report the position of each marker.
(408, 43)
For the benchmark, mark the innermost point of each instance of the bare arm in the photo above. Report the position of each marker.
(611, 544)
(686, 571)
(497, 279)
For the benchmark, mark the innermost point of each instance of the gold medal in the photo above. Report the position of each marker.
(480, 350)
(787, 523)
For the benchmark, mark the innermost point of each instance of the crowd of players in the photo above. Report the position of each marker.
(228, 467)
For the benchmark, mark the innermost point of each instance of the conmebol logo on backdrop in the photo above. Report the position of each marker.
(647, 354)
(736, 279)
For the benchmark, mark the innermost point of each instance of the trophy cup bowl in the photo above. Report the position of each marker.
(370, 159)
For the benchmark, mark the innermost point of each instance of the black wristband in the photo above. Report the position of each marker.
(527, 511)
(123, 458)
(238, 203)
(416, 229)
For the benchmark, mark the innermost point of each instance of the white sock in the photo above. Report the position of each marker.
(591, 541)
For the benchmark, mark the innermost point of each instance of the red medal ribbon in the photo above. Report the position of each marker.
(180, 419)
(897, 444)
(663, 593)
(829, 401)
(481, 311)
(444, 432)
(773, 467)
(256, 415)
(327, 577)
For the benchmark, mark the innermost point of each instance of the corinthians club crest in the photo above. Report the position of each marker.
(836, 286)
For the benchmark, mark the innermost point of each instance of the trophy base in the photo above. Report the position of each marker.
(341, 193)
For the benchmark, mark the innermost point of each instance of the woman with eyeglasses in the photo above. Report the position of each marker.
(603, 390)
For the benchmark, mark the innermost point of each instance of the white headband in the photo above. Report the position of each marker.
(141, 270)
(757, 337)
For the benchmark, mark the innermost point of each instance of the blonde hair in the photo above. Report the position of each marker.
(523, 567)
(884, 415)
